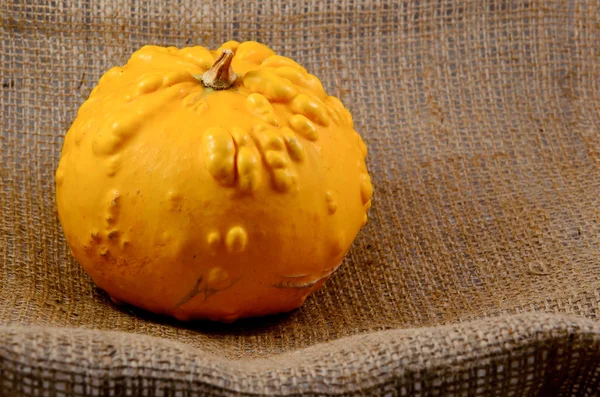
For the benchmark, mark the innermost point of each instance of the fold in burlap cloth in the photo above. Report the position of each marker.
(478, 272)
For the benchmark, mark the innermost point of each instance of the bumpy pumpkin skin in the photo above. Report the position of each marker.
(211, 204)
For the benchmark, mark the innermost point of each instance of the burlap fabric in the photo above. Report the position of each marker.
(478, 273)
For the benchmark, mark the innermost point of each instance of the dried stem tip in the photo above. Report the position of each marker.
(220, 76)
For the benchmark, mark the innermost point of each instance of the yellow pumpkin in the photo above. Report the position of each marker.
(211, 184)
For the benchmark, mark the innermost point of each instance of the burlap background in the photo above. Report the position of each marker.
(478, 273)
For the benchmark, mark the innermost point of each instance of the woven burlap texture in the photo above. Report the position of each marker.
(477, 274)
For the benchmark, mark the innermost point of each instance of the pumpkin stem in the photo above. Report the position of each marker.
(220, 76)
